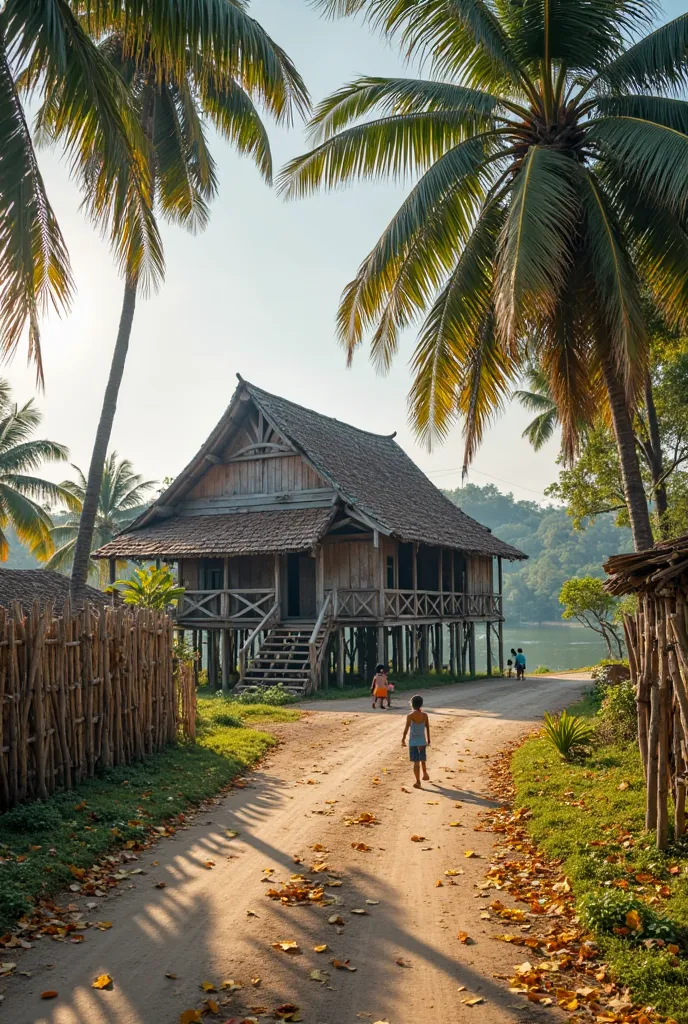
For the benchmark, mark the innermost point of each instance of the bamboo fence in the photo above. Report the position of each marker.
(80, 690)
(657, 643)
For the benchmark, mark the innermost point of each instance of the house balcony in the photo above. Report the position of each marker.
(238, 608)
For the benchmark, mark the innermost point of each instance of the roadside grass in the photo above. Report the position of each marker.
(402, 683)
(589, 814)
(40, 841)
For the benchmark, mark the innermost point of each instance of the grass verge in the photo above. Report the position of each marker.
(590, 815)
(402, 684)
(41, 843)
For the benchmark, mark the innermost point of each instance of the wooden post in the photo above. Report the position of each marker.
(278, 596)
(452, 648)
(319, 578)
(488, 638)
(414, 578)
(382, 582)
(112, 564)
(440, 585)
(382, 645)
(471, 648)
(440, 647)
(500, 624)
(340, 657)
(225, 659)
(413, 660)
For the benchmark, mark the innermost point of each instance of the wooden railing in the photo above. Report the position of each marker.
(316, 650)
(415, 604)
(268, 620)
(244, 605)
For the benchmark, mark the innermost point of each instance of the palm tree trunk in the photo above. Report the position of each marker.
(87, 522)
(657, 459)
(634, 491)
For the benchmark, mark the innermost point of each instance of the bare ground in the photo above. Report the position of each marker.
(217, 924)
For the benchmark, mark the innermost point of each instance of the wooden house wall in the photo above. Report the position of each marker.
(252, 572)
(479, 574)
(351, 565)
(271, 475)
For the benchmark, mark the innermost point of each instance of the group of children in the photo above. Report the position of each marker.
(517, 661)
(417, 723)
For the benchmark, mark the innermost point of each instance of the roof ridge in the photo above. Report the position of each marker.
(321, 415)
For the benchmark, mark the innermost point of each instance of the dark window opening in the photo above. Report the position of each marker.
(390, 572)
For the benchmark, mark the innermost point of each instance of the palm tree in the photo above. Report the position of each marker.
(551, 154)
(538, 399)
(122, 497)
(46, 49)
(177, 92)
(21, 491)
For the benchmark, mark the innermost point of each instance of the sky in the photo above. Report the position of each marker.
(256, 293)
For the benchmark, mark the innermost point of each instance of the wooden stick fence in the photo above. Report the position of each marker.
(657, 643)
(80, 690)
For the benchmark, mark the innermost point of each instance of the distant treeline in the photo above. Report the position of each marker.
(556, 551)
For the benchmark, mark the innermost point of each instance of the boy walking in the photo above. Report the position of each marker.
(418, 731)
(520, 664)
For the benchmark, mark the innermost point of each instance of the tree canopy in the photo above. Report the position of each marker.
(556, 550)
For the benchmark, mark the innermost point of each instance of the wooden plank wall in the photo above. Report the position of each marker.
(80, 691)
(252, 572)
(479, 573)
(351, 564)
(273, 475)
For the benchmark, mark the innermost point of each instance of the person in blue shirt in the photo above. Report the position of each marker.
(520, 664)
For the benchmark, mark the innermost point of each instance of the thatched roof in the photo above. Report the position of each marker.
(27, 585)
(241, 533)
(658, 567)
(369, 474)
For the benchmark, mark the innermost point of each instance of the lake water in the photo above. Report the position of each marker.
(558, 647)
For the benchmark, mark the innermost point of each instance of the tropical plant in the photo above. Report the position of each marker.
(585, 600)
(226, 63)
(48, 45)
(21, 492)
(552, 151)
(149, 588)
(538, 399)
(566, 732)
(122, 497)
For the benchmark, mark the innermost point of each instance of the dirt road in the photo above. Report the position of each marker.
(217, 924)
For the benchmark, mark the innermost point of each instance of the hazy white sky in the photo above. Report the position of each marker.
(256, 293)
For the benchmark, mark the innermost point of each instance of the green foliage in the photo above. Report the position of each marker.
(272, 696)
(23, 494)
(556, 550)
(123, 496)
(618, 714)
(567, 733)
(603, 912)
(585, 600)
(152, 791)
(590, 836)
(593, 484)
(541, 670)
(149, 588)
(546, 152)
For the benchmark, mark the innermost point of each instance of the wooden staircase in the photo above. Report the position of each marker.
(285, 657)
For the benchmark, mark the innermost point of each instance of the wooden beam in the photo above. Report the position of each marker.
(214, 460)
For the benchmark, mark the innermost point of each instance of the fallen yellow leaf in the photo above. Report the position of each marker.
(49, 994)
(102, 981)
(287, 946)
(189, 1016)
(208, 986)
(321, 949)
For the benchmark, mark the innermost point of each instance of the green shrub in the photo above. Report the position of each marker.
(275, 696)
(541, 670)
(618, 714)
(30, 818)
(566, 733)
(228, 721)
(605, 912)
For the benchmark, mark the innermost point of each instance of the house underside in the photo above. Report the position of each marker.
(310, 550)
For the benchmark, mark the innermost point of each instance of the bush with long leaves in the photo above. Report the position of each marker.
(566, 733)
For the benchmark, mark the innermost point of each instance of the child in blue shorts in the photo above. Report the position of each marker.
(418, 725)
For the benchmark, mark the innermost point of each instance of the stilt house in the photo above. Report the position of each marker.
(310, 549)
